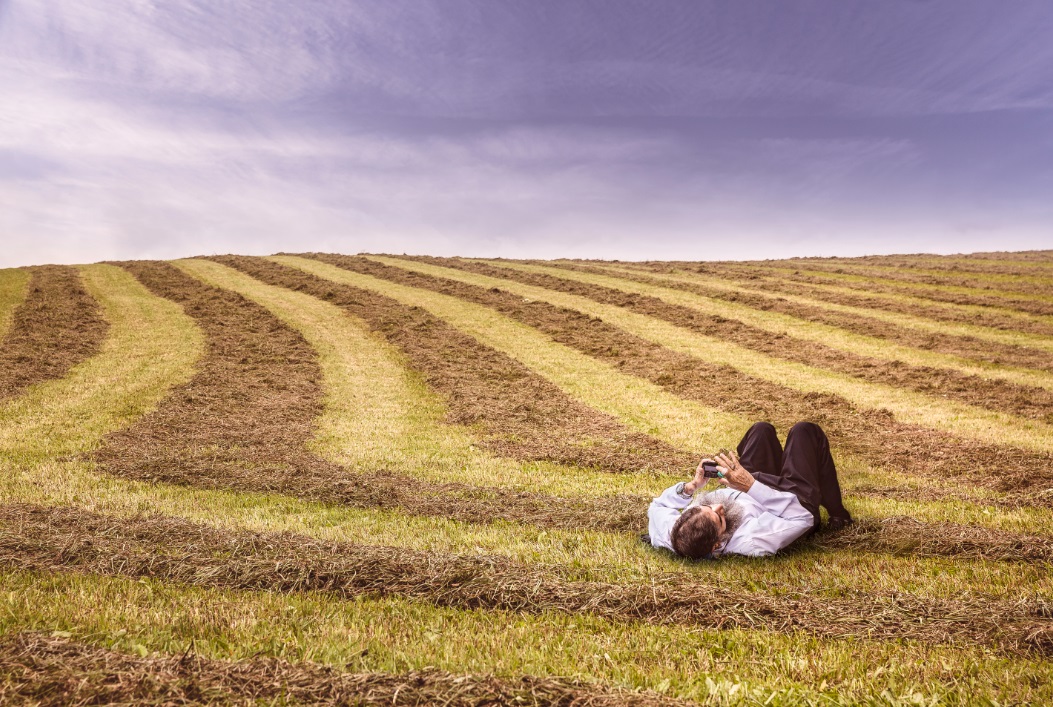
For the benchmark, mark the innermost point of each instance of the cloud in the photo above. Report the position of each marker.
(136, 128)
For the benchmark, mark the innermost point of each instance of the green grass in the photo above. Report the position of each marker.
(13, 283)
(396, 635)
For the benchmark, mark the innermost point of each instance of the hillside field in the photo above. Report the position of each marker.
(373, 479)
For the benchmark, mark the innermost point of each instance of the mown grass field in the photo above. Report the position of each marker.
(414, 480)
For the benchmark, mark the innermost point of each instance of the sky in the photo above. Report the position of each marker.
(667, 129)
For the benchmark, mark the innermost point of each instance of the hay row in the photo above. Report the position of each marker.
(870, 435)
(960, 281)
(48, 670)
(1010, 263)
(932, 294)
(519, 414)
(770, 297)
(243, 421)
(828, 286)
(39, 539)
(56, 326)
(777, 282)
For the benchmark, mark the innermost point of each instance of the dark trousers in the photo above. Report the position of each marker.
(805, 468)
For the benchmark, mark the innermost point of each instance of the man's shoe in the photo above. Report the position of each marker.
(839, 523)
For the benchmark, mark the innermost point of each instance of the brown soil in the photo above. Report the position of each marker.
(999, 395)
(42, 670)
(56, 327)
(517, 413)
(242, 423)
(872, 435)
(38, 539)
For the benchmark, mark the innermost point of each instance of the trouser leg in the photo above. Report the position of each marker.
(761, 454)
(808, 470)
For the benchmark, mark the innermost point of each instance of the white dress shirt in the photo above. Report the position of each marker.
(771, 519)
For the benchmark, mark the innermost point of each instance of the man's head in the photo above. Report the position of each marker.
(696, 531)
(708, 522)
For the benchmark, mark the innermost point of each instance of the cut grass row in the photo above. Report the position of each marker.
(774, 322)
(97, 596)
(970, 276)
(872, 303)
(640, 404)
(932, 293)
(875, 438)
(35, 539)
(516, 411)
(907, 335)
(243, 421)
(396, 635)
(55, 326)
(151, 346)
(51, 670)
(1007, 286)
(1003, 262)
(784, 330)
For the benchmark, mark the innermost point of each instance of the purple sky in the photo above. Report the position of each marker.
(607, 129)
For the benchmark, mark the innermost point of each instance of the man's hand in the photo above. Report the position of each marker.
(700, 478)
(735, 475)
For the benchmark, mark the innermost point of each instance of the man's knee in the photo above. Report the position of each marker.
(807, 428)
(762, 428)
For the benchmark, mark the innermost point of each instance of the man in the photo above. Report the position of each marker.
(772, 497)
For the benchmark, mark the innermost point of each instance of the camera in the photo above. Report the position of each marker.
(709, 470)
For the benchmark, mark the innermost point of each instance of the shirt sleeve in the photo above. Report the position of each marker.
(784, 520)
(662, 514)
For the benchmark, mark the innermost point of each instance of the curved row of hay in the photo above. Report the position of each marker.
(154, 347)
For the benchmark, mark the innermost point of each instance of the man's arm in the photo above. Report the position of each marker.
(783, 521)
(664, 510)
(663, 513)
(767, 534)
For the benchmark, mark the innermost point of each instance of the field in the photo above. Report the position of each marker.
(416, 480)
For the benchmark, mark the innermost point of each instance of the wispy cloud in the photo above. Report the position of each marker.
(135, 128)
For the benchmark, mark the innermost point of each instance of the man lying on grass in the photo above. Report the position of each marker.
(771, 497)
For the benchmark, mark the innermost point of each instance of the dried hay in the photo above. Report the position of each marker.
(34, 538)
(48, 670)
(56, 327)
